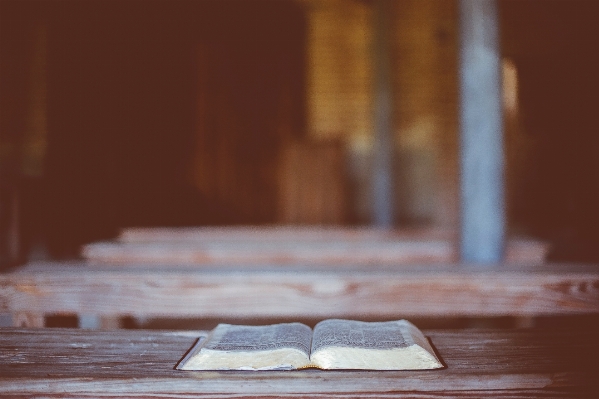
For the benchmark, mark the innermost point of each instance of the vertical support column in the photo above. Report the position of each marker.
(28, 320)
(482, 163)
(382, 171)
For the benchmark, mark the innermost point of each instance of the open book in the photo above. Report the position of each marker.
(334, 344)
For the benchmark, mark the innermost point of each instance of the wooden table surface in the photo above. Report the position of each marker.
(139, 363)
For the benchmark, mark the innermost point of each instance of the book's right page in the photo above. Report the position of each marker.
(350, 344)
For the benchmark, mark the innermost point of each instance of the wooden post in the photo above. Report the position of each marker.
(10, 235)
(31, 319)
(482, 185)
(382, 171)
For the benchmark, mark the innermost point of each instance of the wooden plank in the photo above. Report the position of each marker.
(338, 252)
(289, 244)
(301, 291)
(480, 363)
(277, 233)
(312, 183)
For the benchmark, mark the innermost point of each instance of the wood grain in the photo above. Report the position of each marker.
(275, 233)
(312, 183)
(353, 291)
(289, 244)
(336, 252)
(480, 363)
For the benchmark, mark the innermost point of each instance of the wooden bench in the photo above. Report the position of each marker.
(67, 363)
(292, 244)
(94, 291)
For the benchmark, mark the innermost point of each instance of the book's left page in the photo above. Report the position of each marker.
(283, 346)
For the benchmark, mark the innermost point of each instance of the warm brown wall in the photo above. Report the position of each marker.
(338, 89)
(426, 41)
(339, 70)
(340, 84)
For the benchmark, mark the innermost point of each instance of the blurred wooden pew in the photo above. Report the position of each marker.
(292, 244)
(108, 292)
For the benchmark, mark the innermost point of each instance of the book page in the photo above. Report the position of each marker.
(230, 338)
(233, 347)
(392, 345)
(359, 334)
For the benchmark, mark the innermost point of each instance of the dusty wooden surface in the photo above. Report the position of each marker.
(290, 244)
(334, 252)
(304, 290)
(124, 363)
(276, 233)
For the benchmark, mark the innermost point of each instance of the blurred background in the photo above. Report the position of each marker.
(188, 113)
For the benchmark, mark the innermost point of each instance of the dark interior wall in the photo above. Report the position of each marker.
(120, 117)
(251, 61)
(130, 104)
(119, 109)
(555, 47)
(17, 38)
(560, 101)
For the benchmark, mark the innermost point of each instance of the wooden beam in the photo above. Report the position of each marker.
(288, 245)
(299, 292)
(382, 171)
(482, 163)
(276, 233)
(337, 252)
